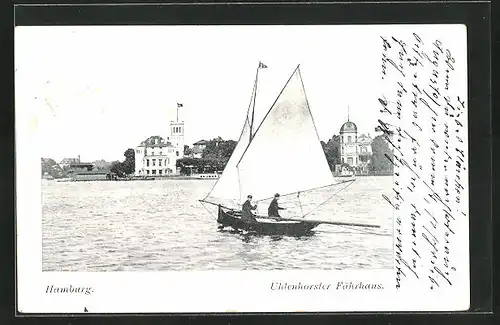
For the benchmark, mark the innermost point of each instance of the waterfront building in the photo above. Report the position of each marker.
(87, 172)
(157, 156)
(355, 150)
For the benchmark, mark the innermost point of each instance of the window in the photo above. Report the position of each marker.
(159, 162)
(349, 139)
(138, 151)
(147, 163)
(167, 161)
(154, 162)
(160, 153)
(177, 153)
(147, 172)
(153, 172)
(160, 171)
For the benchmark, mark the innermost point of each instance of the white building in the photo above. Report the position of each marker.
(156, 156)
(354, 151)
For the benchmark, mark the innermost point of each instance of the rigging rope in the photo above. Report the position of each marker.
(328, 199)
(365, 232)
(209, 212)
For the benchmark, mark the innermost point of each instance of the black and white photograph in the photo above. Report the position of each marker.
(202, 150)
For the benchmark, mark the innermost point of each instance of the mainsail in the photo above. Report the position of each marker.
(284, 154)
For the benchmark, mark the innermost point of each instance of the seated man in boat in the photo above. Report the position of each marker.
(273, 210)
(246, 211)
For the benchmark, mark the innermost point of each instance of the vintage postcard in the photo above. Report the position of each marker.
(208, 169)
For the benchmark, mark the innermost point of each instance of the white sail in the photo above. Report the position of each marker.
(226, 191)
(285, 154)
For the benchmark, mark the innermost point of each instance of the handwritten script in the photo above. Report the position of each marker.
(423, 117)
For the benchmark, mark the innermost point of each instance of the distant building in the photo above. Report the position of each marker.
(157, 156)
(198, 147)
(202, 144)
(355, 151)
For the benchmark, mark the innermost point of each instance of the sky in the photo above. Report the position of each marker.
(97, 90)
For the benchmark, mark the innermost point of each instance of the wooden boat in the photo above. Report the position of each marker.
(282, 154)
(265, 225)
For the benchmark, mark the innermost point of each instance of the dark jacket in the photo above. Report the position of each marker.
(272, 211)
(246, 212)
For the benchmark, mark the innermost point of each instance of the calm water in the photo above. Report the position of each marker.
(160, 225)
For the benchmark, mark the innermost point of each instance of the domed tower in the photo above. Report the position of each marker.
(348, 144)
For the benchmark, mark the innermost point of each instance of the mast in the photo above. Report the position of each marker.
(241, 145)
(255, 96)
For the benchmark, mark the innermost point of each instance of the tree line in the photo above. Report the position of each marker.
(214, 157)
(217, 153)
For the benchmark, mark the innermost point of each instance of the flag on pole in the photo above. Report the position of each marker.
(262, 65)
(179, 105)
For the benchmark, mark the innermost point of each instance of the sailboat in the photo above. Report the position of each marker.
(282, 154)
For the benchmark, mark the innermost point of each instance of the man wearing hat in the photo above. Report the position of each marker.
(246, 211)
(273, 209)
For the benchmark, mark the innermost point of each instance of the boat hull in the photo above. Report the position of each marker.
(231, 218)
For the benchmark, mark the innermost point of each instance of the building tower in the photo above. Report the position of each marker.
(349, 152)
(177, 137)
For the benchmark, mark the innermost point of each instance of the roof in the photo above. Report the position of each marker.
(70, 161)
(349, 127)
(200, 142)
(155, 141)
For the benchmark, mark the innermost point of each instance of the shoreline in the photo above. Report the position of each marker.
(170, 178)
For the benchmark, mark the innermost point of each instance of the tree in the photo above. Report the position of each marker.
(197, 165)
(50, 167)
(226, 148)
(187, 151)
(332, 151)
(380, 164)
(128, 166)
(117, 168)
(219, 149)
